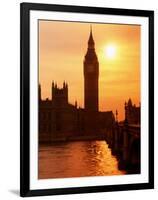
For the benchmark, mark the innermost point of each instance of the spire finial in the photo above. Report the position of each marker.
(64, 84)
(91, 35)
(91, 28)
(76, 103)
(91, 41)
(116, 115)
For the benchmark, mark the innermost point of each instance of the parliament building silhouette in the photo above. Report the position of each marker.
(60, 120)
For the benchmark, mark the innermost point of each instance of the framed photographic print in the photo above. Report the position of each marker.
(87, 99)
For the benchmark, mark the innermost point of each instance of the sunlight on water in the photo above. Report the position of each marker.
(77, 159)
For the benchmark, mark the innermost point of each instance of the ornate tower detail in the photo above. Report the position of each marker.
(60, 95)
(91, 76)
(91, 79)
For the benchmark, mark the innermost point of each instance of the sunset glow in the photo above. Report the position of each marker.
(62, 47)
(110, 51)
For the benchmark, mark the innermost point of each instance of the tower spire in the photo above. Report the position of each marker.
(91, 40)
(91, 28)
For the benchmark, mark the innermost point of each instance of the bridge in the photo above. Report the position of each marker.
(124, 141)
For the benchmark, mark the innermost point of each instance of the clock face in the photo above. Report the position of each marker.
(90, 68)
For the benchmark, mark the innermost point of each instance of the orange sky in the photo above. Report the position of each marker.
(62, 47)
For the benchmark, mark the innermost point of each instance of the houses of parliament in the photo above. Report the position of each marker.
(60, 119)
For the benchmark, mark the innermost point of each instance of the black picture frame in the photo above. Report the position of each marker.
(25, 9)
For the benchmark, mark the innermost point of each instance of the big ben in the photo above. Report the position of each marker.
(91, 79)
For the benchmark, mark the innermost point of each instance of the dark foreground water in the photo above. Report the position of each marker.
(76, 159)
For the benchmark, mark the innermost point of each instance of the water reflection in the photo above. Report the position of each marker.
(77, 159)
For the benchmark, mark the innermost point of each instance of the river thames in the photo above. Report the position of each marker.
(77, 159)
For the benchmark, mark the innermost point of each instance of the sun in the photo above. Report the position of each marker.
(110, 51)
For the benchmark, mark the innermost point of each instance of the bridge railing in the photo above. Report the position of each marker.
(124, 141)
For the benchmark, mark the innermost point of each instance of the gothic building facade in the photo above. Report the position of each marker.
(57, 117)
(132, 113)
(60, 119)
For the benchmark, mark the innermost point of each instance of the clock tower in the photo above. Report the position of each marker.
(91, 79)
